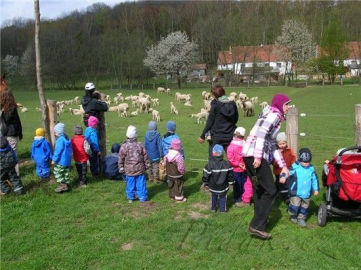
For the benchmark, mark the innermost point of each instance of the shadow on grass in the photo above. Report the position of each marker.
(155, 189)
(276, 214)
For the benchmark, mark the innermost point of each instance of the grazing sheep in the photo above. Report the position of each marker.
(37, 109)
(248, 108)
(19, 105)
(24, 109)
(144, 104)
(234, 95)
(188, 103)
(76, 111)
(242, 96)
(201, 115)
(207, 105)
(263, 105)
(76, 100)
(160, 90)
(156, 115)
(123, 109)
(168, 91)
(155, 101)
(134, 113)
(116, 99)
(173, 109)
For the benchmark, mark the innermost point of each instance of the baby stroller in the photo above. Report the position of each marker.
(342, 178)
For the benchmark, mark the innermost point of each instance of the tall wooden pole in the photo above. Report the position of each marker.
(44, 117)
(292, 128)
(53, 119)
(358, 124)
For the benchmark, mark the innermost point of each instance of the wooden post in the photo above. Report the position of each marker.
(102, 139)
(358, 124)
(53, 120)
(292, 128)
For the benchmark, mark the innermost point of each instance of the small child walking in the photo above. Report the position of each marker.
(133, 161)
(79, 155)
(41, 154)
(8, 162)
(218, 175)
(91, 135)
(174, 164)
(289, 157)
(62, 158)
(302, 181)
(153, 146)
(234, 156)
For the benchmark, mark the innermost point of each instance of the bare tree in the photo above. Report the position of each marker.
(44, 115)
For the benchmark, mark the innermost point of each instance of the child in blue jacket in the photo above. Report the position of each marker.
(153, 146)
(303, 180)
(169, 136)
(91, 135)
(110, 166)
(62, 158)
(41, 154)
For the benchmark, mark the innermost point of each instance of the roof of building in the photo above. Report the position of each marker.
(262, 53)
(199, 66)
(353, 47)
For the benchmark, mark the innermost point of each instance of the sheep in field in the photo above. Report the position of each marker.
(173, 109)
(156, 115)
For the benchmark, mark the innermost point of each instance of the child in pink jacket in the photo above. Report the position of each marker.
(242, 190)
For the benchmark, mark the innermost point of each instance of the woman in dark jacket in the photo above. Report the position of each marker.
(221, 121)
(13, 131)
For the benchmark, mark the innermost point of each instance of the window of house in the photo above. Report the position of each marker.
(279, 65)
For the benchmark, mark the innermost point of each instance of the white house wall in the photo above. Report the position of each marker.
(237, 66)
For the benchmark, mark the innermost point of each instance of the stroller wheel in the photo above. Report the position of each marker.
(322, 215)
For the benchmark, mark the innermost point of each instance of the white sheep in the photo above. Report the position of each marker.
(254, 100)
(24, 109)
(201, 115)
(134, 113)
(156, 115)
(155, 101)
(173, 109)
(76, 111)
(160, 90)
(123, 109)
(144, 104)
(263, 104)
(248, 108)
(168, 91)
(76, 100)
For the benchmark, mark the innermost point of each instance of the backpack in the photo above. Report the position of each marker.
(87, 148)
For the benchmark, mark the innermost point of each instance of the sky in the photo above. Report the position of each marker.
(51, 9)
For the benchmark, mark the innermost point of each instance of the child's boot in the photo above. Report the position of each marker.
(63, 187)
(302, 222)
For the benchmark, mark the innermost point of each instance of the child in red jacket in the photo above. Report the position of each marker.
(79, 154)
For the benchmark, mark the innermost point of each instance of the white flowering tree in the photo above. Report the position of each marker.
(171, 55)
(296, 37)
(10, 65)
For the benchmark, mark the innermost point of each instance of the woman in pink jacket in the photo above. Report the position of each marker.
(242, 192)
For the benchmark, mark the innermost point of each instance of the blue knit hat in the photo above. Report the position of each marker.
(217, 150)
(171, 126)
(115, 148)
(152, 125)
(59, 128)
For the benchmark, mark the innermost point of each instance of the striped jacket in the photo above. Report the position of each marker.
(261, 142)
(218, 174)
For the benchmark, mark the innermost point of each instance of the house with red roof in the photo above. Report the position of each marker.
(241, 59)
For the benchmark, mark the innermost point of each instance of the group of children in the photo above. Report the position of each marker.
(296, 190)
(131, 160)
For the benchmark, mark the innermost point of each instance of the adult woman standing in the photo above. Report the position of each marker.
(222, 120)
(259, 151)
(14, 131)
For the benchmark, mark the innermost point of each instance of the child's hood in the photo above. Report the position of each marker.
(172, 155)
(38, 141)
(152, 135)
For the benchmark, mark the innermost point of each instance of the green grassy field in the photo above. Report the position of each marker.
(95, 227)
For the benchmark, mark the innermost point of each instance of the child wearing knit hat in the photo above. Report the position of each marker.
(79, 155)
(41, 154)
(289, 157)
(62, 158)
(174, 164)
(91, 136)
(169, 137)
(302, 182)
(218, 174)
(133, 161)
(153, 146)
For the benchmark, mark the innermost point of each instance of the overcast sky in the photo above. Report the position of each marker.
(10, 9)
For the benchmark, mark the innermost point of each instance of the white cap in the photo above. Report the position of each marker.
(241, 131)
(281, 137)
(89, 86)
(131, 132)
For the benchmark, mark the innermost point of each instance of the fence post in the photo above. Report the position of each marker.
(358, 124)
(53, 119)
(292, 128)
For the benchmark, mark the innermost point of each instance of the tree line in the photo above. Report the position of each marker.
(111, 43)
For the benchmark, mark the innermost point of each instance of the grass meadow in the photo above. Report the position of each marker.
(95, 227)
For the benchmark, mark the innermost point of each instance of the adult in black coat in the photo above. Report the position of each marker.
(92, 106)
(222, 120)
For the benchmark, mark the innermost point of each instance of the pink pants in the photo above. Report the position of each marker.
(248, 191)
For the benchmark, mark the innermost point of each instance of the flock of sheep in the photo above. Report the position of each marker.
(144, 103)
